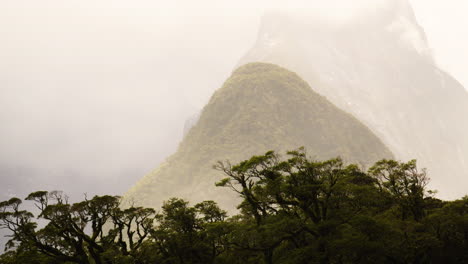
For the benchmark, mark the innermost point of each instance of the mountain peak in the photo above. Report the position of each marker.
(344, 10)
(364, 20)
(377, 65)
(261, 107)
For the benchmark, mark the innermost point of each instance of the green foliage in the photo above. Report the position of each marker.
(75, 232)
(293, 210)
(305, 211)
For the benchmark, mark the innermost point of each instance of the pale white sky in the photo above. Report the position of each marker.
(445, 22)
(446, 25)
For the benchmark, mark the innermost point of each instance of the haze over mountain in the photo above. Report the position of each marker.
(379, 67)
(93, 94)
(260, 107)
(94, 91)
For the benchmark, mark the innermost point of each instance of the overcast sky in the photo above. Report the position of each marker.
(101, 88)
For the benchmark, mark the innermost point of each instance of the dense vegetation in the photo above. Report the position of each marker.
(293, 210)
(259, 108)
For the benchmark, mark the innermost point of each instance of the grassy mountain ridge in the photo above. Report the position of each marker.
(260, 107)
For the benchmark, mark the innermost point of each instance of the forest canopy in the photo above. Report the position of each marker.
(293, 210)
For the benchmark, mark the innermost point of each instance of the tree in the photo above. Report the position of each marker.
(300, 210)
(297, 203)
(293, 210)
(190, 234)
(76, 232)
(405, 184)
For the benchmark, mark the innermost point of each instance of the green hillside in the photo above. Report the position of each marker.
(260, 107)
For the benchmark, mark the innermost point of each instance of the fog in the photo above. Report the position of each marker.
(94, 94)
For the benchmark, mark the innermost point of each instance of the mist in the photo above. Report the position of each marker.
(93, 98)
(95, 94)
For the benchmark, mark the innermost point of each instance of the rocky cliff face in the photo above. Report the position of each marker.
(378, 67)
(260, 107)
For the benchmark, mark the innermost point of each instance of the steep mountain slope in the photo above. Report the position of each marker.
(260, 107)
(378, 67)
